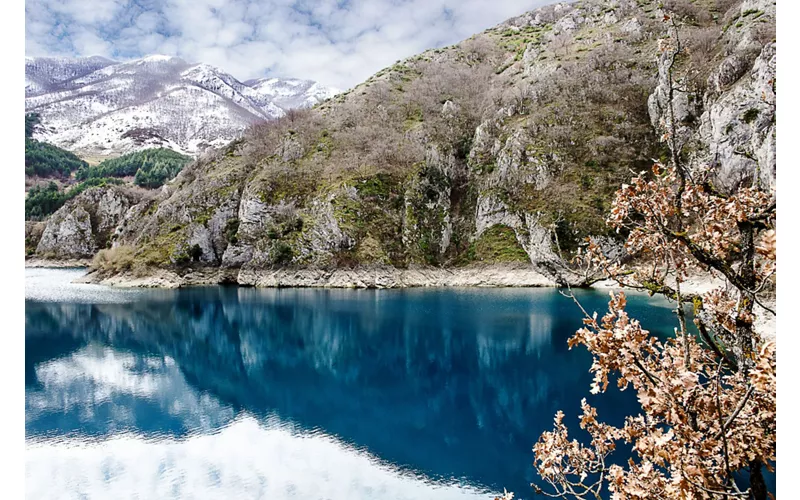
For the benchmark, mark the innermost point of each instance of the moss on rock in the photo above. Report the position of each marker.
(497, 244)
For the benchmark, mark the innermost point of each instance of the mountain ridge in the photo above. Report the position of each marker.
(100, 107)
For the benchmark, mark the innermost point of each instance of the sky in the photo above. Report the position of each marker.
(336, 42)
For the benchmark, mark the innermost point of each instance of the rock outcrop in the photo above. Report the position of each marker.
(86, 223)
(496, 275)
(33, 233)
(727, 122)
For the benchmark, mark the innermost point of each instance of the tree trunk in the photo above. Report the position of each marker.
(758, 488)
(743, 344)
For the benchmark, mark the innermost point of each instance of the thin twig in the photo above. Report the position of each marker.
(735, 412)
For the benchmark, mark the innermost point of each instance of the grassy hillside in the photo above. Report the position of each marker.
(481, 151)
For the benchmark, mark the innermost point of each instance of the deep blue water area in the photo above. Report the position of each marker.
(226, 392)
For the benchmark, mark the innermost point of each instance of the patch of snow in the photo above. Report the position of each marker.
(97, 106)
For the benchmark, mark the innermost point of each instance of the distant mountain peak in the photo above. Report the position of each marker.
(94, 105)
(161, 58)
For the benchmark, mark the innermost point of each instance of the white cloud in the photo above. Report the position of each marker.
(338, 43)
(246, 459)
(87, 42)
(224, 457)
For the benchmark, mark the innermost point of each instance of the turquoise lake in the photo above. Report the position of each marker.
(226, 392)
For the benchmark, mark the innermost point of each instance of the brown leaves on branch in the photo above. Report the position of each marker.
(697, 426)
(704, 416)
(690, 227)
(701, 421)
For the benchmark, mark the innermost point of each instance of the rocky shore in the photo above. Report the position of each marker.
(495, 275)
(511, 275)
(57, 263)
(490, 275)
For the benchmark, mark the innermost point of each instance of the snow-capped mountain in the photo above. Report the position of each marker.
(45, 73)
(101, 107)
(289, 93)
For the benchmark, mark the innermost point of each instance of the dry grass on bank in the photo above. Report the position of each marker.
(115, 260)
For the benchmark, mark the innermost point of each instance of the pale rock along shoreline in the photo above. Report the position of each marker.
(766, 323)
(365, 277)
(58, 264)
(496, 275)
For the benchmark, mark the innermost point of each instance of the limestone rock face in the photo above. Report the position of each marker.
(68, 234)
(200, 236)
(738, 127)
(86, 223)
(732, 124)
(325, 236)
(685, 108)
(111, 205)
(221, 228)
(728, 127)
(538, 244)
(314, 230)
(728, 73)
(535, 239)
(492, 211)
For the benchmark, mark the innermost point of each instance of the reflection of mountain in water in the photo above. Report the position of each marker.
(450, 383)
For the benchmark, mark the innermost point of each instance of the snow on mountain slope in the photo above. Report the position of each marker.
(210, 78)
(44, 73)
(101, 107)
(291, 93)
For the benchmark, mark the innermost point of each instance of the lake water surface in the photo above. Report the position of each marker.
(225, 392)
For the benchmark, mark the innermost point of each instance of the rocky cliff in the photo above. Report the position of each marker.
(502, 149)
(84, 225)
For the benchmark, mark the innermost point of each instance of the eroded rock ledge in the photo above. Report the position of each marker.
(365, 277)
(37, 262)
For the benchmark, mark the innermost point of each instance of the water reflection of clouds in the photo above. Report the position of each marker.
(533, 337)
(223, 458)
(55, 285)
(245, 459)
(540, 332)
(101, 377)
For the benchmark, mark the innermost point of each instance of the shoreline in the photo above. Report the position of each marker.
(378, 277)
(383, 277)
(37, 262)
(487, 275)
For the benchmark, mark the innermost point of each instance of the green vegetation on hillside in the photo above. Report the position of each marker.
(31, 120)
(525, 130)
(151, 168)
(43, 200)
(466, 125)
(498, 244)
(46, 160)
